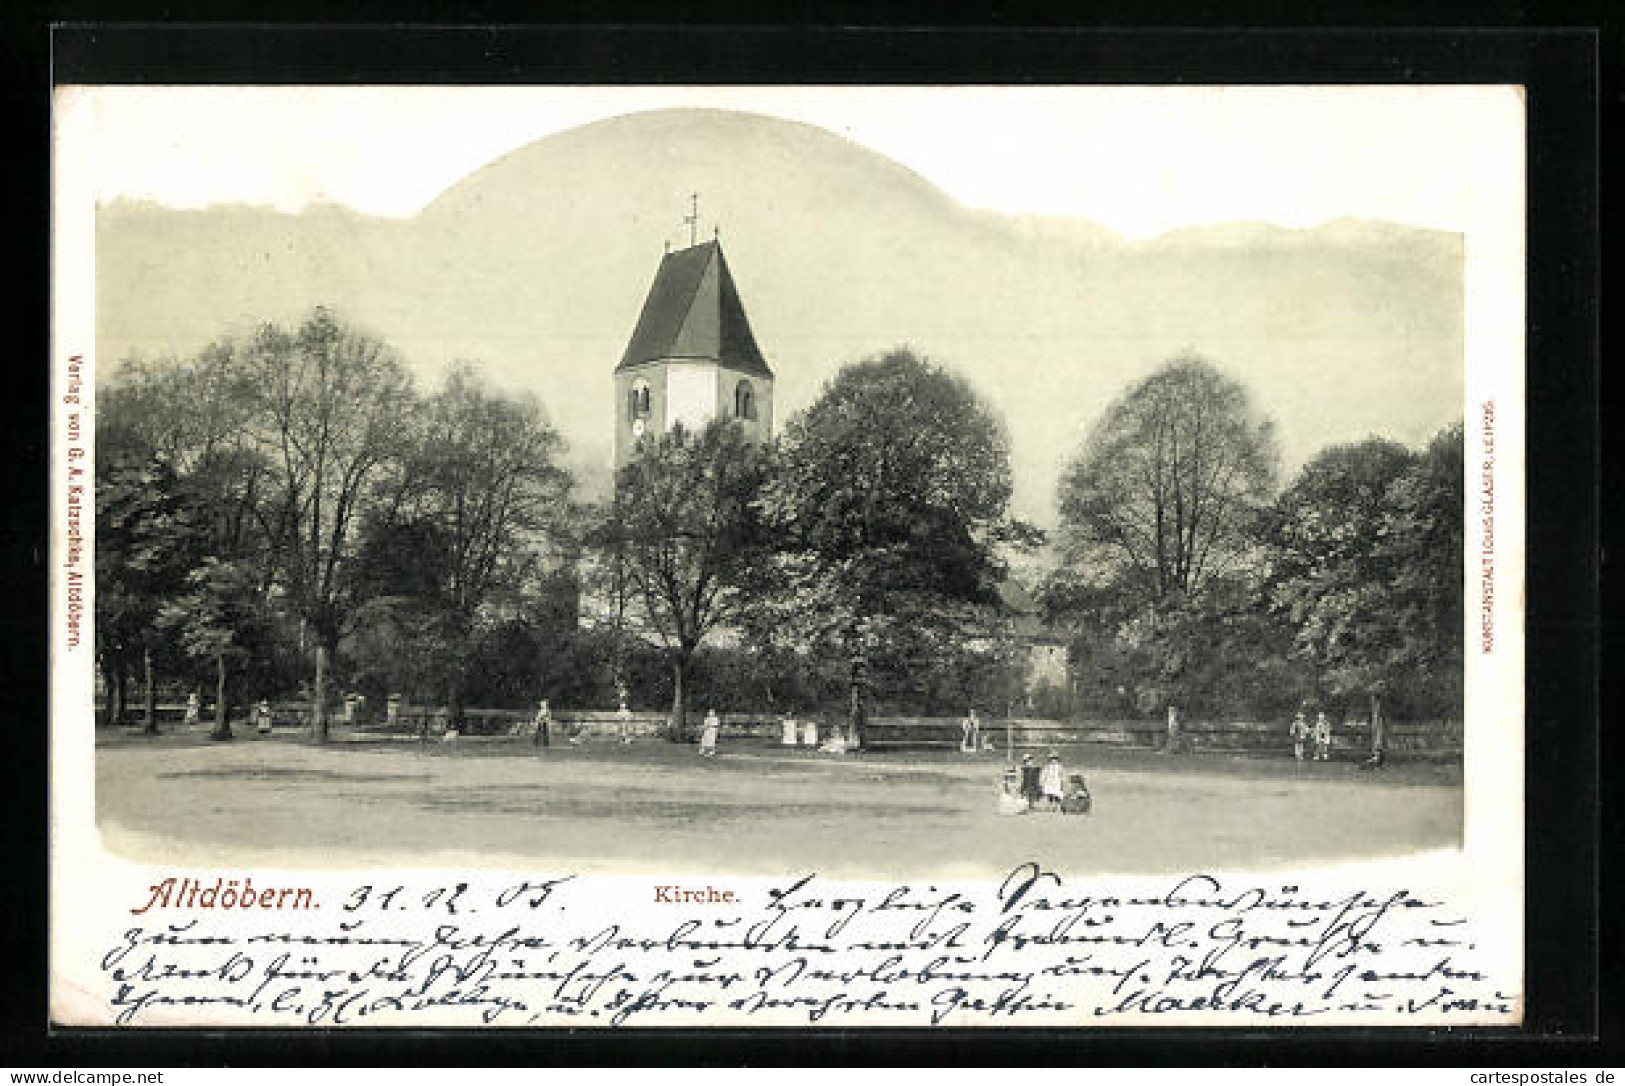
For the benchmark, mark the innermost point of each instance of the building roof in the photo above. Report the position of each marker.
(693, 311)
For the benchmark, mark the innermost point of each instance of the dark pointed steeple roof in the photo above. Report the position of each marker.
(693, 311)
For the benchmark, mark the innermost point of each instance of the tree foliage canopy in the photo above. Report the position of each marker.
(685, 533)
(900, 475)
(1163, 497)
(1366, 564)
(891, 509)
(316, 483)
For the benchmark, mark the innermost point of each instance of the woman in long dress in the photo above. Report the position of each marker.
(708, 735)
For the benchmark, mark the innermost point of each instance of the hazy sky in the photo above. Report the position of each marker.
(1139, 160)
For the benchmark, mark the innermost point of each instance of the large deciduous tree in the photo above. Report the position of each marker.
(147, 539)
(477, 503)
(1159, 533)
(684, 533)
(220, 620)
(1366, 565)
(332, 404)
(1422, 540)
(1163, 498)
(1331, 575)
(892, 502)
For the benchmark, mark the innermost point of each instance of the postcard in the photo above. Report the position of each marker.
(826, 557)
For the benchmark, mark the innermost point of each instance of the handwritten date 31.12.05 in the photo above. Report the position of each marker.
(1031, 949)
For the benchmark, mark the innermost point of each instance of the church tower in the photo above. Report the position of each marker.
(692, 357)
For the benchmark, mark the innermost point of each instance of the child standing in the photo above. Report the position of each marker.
(1011, 801)
(1300, 734)
(1323, 737)
(623, 716)
(1050, 782)
(1031, 790)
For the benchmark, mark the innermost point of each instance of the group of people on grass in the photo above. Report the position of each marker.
(1031, 787)
(1310, 742)
(541, 728)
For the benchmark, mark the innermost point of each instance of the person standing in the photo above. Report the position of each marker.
(1031, 789)
(1323, 737)
(970, 730)
(623, 716)
(541, 737)
(1174, 742)
(263, 712)
(708, 735)
(1300, 734)
(1050, 782)
(194, 710)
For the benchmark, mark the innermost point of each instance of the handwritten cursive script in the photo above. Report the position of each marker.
(1032, 949)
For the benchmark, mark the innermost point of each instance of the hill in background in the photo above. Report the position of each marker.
(536, 266)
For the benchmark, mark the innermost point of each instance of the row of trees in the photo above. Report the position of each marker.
(259, 503)
(286, 508)
(1189, 576)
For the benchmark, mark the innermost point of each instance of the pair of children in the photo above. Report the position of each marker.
(1320, 735)
(1041, 788)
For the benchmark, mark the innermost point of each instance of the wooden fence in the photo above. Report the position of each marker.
(1406, 741)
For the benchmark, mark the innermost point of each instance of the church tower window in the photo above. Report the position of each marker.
(691, 347)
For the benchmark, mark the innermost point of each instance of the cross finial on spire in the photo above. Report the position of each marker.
(693, 219)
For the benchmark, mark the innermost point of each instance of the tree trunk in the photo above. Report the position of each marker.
(150, 698)
(222, 719)
(679, 710)
(454, 700)
(856, 711)
(114, 676)
(318, 707)
(1379, 731)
